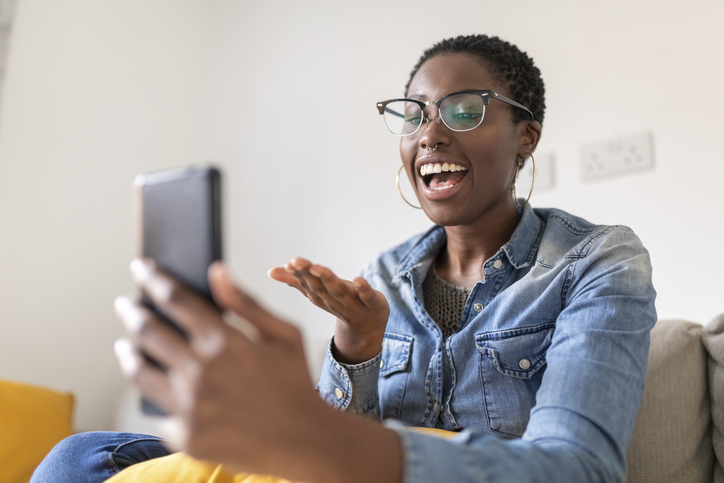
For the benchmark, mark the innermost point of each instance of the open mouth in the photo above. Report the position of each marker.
(442, 176)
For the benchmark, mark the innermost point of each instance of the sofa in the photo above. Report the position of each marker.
(679, 432)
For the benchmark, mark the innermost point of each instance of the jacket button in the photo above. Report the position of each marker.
(382, 364)
(524, 364)
(478, 307)
(339, 393)
(497, 264)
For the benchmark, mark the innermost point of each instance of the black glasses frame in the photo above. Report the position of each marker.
(486, 95)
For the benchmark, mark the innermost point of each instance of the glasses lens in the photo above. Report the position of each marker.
(462, 112)
(402, 117)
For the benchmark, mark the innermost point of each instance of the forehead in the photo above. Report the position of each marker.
(448, 73)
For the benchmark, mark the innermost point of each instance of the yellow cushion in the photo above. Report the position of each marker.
(180, 468)
(440, 433)
(32, 421)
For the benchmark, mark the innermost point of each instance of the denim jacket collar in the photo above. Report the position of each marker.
(520, 249)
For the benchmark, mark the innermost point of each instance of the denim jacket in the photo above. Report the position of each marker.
(544, 376)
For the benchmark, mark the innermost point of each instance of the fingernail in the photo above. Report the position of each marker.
(121, 305)
(140, 269)
(218, 271)
(158, 288)
(126, 356)
(132, 319)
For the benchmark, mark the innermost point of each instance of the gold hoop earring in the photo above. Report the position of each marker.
(515, 183)
(397, 182)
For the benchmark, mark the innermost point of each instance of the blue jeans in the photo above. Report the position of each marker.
(96, 456)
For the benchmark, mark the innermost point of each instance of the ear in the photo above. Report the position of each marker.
(529, 133)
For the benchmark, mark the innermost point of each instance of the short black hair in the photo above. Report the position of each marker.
(510, 66)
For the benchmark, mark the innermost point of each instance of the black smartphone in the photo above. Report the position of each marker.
(178, 225)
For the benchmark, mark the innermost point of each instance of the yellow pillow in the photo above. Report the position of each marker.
(180, 468)
(32, 421)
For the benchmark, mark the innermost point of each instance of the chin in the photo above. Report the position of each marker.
(445, 217)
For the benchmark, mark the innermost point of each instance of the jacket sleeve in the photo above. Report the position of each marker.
(350, 387)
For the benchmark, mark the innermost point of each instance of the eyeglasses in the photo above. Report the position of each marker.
(460, 111)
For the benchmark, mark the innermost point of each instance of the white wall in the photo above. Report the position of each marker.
(282, 95)
(95, 93)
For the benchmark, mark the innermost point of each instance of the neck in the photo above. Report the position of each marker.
(469, 246)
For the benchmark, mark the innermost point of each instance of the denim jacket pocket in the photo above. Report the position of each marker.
(394, 371)
(512, 363)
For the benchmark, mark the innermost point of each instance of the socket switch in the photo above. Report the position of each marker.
(616, 156)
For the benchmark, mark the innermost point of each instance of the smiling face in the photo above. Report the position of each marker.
(470, 173)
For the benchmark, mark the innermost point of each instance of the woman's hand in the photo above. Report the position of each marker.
(223, 404)
(361, 311)
(242, 398)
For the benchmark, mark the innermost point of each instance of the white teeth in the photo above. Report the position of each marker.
(431, 168)
(440, 188)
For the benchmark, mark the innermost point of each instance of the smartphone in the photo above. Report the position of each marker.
(177, 218)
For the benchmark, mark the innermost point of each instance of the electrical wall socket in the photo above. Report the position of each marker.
(619, 155)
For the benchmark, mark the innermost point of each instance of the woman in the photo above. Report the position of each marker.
(522, 332)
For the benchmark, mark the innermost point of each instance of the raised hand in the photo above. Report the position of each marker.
(361, 311)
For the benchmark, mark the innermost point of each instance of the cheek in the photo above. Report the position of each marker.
(495, 162)
(408, 148)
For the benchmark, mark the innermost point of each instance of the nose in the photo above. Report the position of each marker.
(434, 134)
(429, 107)
(437, 121)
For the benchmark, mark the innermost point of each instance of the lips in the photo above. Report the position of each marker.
(439, 177)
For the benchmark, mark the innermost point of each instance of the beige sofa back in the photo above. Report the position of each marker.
(679, 433)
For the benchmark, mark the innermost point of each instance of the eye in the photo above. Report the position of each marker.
(413, 114)
(463, 115)
(471, 115)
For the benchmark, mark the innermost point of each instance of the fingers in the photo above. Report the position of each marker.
(152, 382)
(334, 286)
(281, 274)
(365, 292)
(308, 285)
(175, 433)
(153, 336)
(299, 263)
(321, 281)
(230, 297)
(304, 276)
(336, 292)
(325, 289)
(194, 314)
